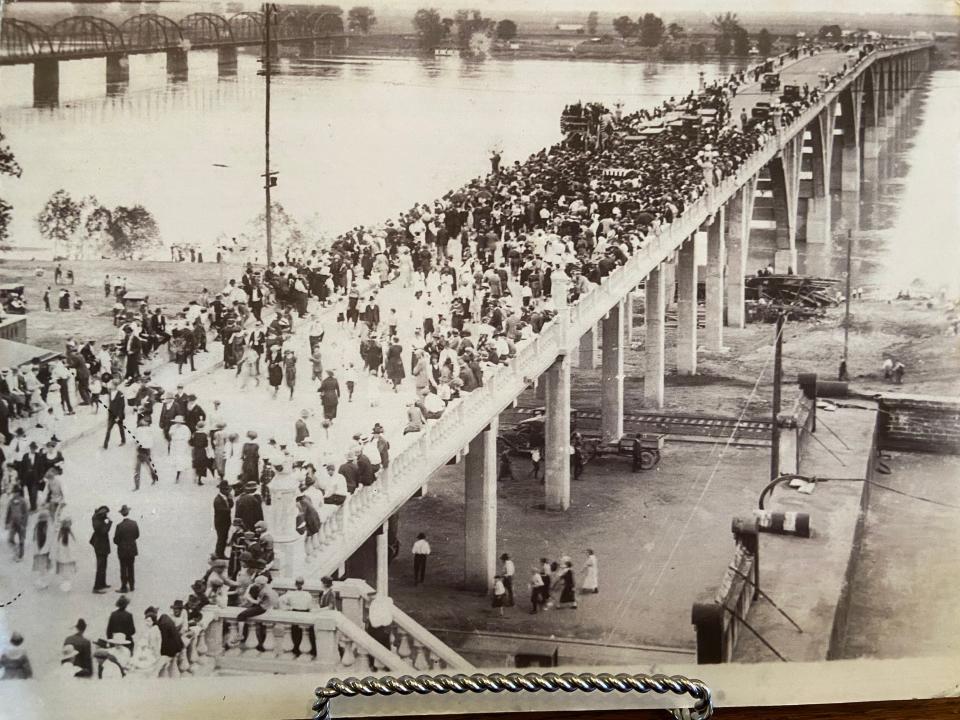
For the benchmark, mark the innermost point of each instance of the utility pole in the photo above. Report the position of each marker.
(846, 316)
(268, 178)
(777, 377)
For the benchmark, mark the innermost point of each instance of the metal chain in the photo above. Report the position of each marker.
(517, 682)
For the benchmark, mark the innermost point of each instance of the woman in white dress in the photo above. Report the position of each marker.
(64, 563)
(146, 652)
(591, 582)
(180, 451)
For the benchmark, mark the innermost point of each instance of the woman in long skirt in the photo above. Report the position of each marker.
(250, 459)
(590, 574)
(65, 565)
(568, 590)
(275, 370)
(200, 452)
(42, 544)
(290, 370)
(395, 371)
(181, 455)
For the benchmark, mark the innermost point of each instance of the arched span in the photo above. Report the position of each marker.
(83, 33)
(19, 38)
(291, 24)
(326, 23)
(151, 32)
(205, 28)
(247, 27)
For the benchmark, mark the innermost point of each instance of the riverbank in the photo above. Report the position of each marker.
(168, 285)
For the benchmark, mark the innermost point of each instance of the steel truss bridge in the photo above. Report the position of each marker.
(87, 36)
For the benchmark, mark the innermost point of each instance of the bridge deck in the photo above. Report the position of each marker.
(467, 417)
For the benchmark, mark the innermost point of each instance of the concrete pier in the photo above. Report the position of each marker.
(653, 314)
(480, 510)
(686, 309)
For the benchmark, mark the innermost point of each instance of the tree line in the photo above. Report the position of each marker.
(433, 29)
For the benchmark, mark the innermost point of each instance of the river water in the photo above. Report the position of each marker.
(356, 140)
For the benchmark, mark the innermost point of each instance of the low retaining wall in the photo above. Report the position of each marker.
(807, 578)
(919, 423)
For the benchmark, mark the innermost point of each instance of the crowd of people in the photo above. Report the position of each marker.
(468, 279)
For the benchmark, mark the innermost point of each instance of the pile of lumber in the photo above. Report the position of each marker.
(800, 296)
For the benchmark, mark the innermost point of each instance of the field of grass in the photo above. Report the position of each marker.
(169, 285)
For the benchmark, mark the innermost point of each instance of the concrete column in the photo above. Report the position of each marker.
(850, 178)
(46, 83)
(686, 309)
(628, 318)
(283, 523)
(557, 432)
(654, 337)
(118, 73)
(383, 562)
(480, 510)
(611, 411)
(738, 214)
(588, 350)
(716, 258)
(785, 184)
(669, 270)
(226, 61)
(871, 142)
(177, 67)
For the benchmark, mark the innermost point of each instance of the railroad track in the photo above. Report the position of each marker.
(703, 425)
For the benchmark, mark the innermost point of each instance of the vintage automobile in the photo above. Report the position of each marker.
(11, 298)
(770, 82)
(791, 93)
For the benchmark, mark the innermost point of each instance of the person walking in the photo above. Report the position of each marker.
(222, 517)
(568, 589)
(16, 521)
(290, 370)
(200, 452)
(125, 537)
(116, 412)
(275, 370)
(180, 451)
(144, 442)
(509, 570)
(329, 396)
(421, 550)
(536, 590)
(591, 582)
(499, 594)
(100, 540)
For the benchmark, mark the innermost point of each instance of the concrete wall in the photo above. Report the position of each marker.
(838, 633)
(920, 423)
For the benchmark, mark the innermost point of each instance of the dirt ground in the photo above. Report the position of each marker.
(641, 526)
(170, 285)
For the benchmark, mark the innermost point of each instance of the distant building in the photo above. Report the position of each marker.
(570, 27)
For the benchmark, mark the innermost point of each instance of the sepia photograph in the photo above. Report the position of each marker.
(440, 337)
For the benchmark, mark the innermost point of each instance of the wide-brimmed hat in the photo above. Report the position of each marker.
(177, 605)
(117, 638)
(68, 652)
(178, 420)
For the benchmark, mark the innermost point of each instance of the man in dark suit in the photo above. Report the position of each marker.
(31, 473)
(125, 538)
(132, 348)
(116, 412)
(249, 508)
(222, 517)
(100, 539)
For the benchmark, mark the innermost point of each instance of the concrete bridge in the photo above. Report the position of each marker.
(85, 36)
(849, 120)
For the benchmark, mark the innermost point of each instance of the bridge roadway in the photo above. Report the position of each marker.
(469, 424)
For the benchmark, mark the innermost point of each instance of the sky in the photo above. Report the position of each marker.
(934, 7)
